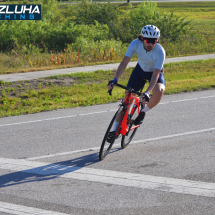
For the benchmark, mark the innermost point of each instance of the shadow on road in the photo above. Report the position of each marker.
(48, 171)
(86, 160)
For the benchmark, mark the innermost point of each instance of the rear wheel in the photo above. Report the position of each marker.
(106, 146)
(126, 139)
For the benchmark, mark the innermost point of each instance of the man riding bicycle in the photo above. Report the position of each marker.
(151, 56)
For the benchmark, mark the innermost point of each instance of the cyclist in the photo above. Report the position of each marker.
(151, 56)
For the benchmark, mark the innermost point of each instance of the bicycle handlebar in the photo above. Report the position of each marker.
(130, 90)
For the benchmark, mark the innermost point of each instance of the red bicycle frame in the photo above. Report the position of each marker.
(124, 128)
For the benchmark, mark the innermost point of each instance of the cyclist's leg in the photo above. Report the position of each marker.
(136, 81)
(158, 92)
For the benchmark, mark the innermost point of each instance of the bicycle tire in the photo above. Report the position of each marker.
(106, 146)
(126, 139)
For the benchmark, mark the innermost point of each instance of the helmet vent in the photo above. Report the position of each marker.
(143, 32)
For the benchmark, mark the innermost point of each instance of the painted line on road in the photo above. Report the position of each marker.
(117, 145)
(175, 135)
(63, 117)
(98, 112)
(172, 185)
(66, 153)
(186, 100)
(23, 210)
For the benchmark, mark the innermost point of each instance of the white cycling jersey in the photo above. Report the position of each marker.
(148, 60)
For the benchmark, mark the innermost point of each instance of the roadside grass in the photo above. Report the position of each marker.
(191, 10)
(17, 61)
(202, 41)
(12, 65)
(84, 89)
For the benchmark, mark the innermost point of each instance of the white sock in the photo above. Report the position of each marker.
(115, 126)
(145, 109)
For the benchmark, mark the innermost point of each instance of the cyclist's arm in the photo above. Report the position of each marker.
(122, 67)
(154, 79)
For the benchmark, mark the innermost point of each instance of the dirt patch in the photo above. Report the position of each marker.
(15, 88)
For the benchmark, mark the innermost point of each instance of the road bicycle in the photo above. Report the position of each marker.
(128, 111)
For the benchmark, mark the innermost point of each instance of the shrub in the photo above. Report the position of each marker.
(92, 23)
(87, 13)
(50, 33)
(103, 49)
(129, 26)
(172, 27)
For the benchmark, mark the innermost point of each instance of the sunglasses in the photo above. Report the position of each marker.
(152, 41)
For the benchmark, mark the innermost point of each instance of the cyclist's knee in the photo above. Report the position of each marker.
(158, 91)
(161, 92)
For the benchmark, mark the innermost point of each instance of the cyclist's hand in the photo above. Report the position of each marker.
(112, 83)
(146, 96)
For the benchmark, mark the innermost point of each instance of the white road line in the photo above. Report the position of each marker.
(116, 145)
(172, 185)
(23, 210)
(98, 112)
(186, 100)
(65, 153)
(176, 135)
(63, 117)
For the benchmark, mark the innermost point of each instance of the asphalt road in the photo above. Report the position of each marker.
(49, 161)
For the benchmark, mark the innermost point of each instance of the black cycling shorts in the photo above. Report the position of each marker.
(138, 75)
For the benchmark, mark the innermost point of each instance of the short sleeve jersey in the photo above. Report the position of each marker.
(148, 60)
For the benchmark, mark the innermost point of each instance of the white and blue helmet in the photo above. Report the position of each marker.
(150, 31)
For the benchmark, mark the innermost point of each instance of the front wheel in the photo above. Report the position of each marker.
(126, 139)
(106, 146)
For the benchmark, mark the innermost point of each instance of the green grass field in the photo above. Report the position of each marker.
(202, 14)
(83, 89)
